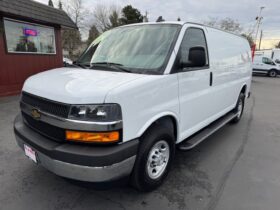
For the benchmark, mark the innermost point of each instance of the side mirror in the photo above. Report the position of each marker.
(197, 58)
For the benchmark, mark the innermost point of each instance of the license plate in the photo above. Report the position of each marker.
(29, 152)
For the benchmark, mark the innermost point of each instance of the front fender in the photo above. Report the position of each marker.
(142, 130)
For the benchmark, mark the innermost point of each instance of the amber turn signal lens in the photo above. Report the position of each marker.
(89, 137)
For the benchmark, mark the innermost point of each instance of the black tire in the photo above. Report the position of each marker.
(140, 178)
(272, 73)
(241, 99)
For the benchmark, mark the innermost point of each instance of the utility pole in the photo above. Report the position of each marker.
(259, 19)
(260, 39)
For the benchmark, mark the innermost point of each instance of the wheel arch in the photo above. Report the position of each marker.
(165, 117)
(244, 89)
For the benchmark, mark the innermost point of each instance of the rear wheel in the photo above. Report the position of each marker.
(154, 159)
(239, 108)
(272, 73)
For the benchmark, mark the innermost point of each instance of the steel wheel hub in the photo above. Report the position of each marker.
(158, 159)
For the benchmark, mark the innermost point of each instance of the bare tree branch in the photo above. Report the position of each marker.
(106, 17)
(226, 24)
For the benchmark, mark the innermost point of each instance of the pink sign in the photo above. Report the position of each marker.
(30, 32)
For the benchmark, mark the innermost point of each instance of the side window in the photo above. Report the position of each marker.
(264, 60)
(194, 37)
(267, 61)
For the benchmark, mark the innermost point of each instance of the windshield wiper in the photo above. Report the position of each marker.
(114, 66)
(76, 65)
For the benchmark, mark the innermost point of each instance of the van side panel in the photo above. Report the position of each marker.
(230, 62)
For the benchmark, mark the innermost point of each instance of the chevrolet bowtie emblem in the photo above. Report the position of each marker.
(35, 114)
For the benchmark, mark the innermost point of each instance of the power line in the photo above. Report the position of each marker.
(270, 39)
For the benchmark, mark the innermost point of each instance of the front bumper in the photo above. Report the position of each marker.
(80, 162)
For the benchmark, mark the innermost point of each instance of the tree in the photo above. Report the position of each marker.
(93, 34)
(71, 39)
(277, 45)
(60, 5)
(106, 17)
(213, 22)
(77, 12)
(51, 3)
(160, 19)
(114, 19)
(226, 24)
(249, 38)
(130, 15)
(231, 25)
(101, 15)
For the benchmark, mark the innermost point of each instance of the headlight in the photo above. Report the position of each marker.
(96, 113)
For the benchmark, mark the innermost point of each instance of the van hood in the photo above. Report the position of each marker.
(75, 85)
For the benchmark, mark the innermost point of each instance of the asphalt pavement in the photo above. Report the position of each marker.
(236, 168)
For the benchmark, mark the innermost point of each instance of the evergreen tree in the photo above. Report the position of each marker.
(160, 19)
(114, 19)
(130, 15)
(60, 5)
(51, 3)
(93, 34)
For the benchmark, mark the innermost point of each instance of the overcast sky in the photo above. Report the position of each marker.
(245, 11)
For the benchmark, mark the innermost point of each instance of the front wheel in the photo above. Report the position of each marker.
(239, 108)
(154, 159)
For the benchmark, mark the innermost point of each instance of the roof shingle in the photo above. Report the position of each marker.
(36, 11)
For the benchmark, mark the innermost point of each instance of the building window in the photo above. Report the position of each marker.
(24, 37)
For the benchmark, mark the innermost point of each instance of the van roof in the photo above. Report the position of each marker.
(185, 22)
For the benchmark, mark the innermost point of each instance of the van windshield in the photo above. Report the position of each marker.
(136, 49)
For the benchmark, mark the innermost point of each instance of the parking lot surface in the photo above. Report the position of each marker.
(236, 168)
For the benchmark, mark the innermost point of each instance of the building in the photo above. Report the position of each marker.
(30, 41)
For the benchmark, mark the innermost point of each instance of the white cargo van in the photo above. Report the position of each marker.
(273, 54)
(137, 93)
(265, 65)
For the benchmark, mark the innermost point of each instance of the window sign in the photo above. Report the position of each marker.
(24, 37)
(29, 32)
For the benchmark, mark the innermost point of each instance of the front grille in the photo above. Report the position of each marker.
(51, 107)
(55, 133)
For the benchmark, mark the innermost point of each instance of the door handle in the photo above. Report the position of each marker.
(211, 78)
